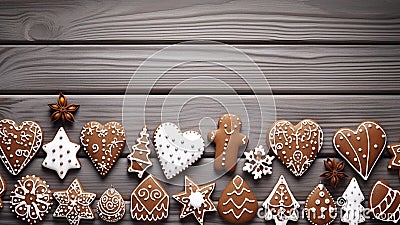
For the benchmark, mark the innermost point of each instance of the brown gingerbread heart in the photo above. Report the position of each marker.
(296, 146)
(103, 143)
(19, 143)
(361, 148)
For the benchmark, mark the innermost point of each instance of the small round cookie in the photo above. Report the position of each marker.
(111, 206)
(31, 199)
(258, 162)
(237, 203)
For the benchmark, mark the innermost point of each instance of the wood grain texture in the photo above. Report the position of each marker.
(200, 113)
(241, 20)
(289, 69)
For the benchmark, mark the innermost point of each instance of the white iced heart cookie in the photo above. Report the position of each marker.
(176, 150)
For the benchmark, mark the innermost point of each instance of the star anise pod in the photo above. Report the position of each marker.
(63, 110)
(334, 171)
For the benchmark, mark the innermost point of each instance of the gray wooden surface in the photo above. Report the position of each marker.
(336, 62)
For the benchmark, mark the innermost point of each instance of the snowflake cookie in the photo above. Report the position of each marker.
(258, 163)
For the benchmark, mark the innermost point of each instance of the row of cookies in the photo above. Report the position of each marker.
(31, 201)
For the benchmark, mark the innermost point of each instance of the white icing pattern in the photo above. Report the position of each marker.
(258, 162)
(351, 204)
(296, 148)
(196, 200)
(31, 199)
(74, 203)
(111, 206)
(176, 150)
(383, 200)
(19, 143)
(281, 205)
(139, 157)
(149, 201)
(61, 154)
(362, 158)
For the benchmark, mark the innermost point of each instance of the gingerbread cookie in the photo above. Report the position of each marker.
(31, 199)
(3, 188)
(258, 162)
(228, 140)
(296, 146)
(139, 157)
(176, 150)
(61, 154)
(103, 143)
(19, 143)
(394, 151)
(237, 203)
(384, 202)
(320, 206)
(361, 148)
(196, 200)
(149, 201)
(74, 203)
(281, 206)
(111, 206)
(351, 203)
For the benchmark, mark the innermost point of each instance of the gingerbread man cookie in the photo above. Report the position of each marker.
(61, 154)
(31, 199)
(227, 139)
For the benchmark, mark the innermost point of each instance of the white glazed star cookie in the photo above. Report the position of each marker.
(61, 154)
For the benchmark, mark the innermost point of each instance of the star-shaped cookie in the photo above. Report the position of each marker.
(74, 203)
(196, 200)
(394, 151)
(61, 154)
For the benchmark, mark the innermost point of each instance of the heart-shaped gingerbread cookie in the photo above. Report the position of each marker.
(176, 150)
(103, 143)
(296, 146)
(19, 143)
(361, 148)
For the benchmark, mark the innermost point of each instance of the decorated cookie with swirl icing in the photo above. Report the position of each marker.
(31, 199)
(103, 143)
(111, 206)
(228, 140)
(149, 201)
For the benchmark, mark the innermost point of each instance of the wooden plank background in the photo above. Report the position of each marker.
(337, 62)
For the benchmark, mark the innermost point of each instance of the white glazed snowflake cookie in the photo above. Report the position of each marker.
(258, 163)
